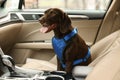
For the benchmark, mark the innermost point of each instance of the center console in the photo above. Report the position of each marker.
(13, 72)
(26, 74)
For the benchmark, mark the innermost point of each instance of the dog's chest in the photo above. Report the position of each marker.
(59, 46)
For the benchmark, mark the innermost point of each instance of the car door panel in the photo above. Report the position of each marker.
(31, 32)
(31, 44)
(9, 31)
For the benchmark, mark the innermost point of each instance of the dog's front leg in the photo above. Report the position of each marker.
(68, 69)
(59, 66)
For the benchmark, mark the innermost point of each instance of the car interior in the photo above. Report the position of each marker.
(27, 53)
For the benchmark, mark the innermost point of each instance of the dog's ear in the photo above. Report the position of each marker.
(65, 23)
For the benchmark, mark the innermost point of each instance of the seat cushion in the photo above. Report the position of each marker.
(39, 65)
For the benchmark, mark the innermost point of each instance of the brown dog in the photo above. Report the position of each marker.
(70, 48)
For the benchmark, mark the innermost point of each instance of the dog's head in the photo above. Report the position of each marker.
(55, 18)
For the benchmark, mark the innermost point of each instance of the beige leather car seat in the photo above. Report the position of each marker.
(106, 56)
(41, 64)
(105, 59)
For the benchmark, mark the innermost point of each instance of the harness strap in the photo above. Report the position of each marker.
(80, 60)
(70, 35)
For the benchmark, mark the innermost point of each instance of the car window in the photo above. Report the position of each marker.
(68, 4)
(11, 4)
(2, 3)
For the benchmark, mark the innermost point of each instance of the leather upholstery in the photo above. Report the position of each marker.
(106, 56)
(39, 65)
(104, 46)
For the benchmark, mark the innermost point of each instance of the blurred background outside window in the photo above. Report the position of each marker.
(68, 4)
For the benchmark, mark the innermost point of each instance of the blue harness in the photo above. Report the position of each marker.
(60, 44)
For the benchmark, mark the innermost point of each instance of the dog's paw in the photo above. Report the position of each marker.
(69, 77)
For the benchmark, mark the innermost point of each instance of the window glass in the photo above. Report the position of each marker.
(68, 4)
(12, 4)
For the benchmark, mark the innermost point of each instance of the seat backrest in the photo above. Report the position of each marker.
(104, 46)
(106, 55)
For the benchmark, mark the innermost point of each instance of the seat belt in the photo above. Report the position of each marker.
(1, 52)
(7, 61)
(116, 21)
(2, 67)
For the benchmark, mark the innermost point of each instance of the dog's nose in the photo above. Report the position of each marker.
(41, 19)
